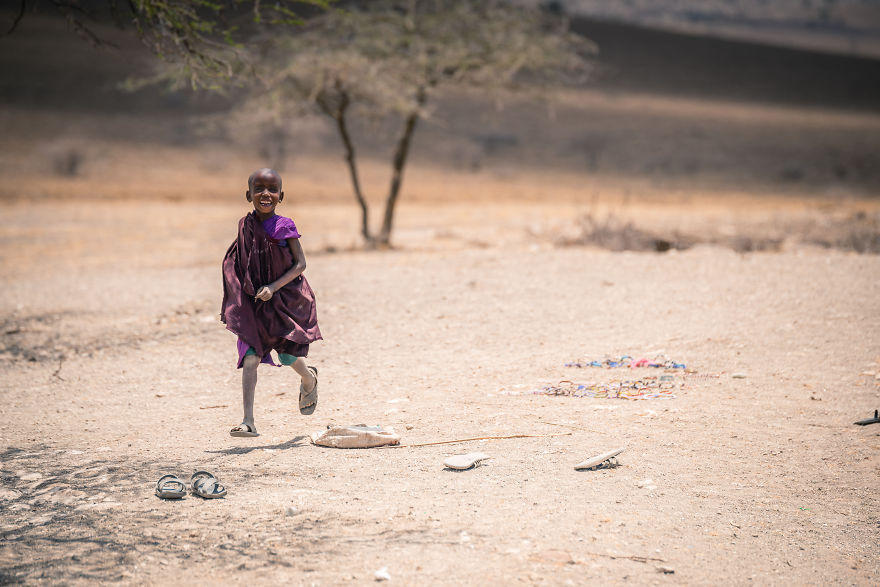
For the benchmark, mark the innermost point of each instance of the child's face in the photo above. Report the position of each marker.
(265, 192)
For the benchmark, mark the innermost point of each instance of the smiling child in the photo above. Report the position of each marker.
(267, 301)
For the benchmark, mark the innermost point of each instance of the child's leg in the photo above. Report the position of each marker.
(299, 365)
(249, 386)
(308, 378)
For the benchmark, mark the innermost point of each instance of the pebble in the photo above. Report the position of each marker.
(9, 494)
(647, 484)
(666, 570)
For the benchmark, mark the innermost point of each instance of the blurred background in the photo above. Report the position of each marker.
(739, 123)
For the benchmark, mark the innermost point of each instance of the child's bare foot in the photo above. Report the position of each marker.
(308, 391)
(244, 430)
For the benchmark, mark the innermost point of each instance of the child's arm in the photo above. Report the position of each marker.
(299, 265)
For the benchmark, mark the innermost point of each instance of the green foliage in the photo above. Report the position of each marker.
(202, 40)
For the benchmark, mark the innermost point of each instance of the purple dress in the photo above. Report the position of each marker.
(288, 322)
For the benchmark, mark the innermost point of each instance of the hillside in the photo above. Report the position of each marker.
(679, 109)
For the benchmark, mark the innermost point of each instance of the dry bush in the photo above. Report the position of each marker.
(614, 234)
(66, 159)
(859, 232)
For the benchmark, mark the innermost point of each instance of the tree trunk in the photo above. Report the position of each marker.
(384, 238)
(338, 115)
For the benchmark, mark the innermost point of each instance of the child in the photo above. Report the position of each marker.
(267, 301)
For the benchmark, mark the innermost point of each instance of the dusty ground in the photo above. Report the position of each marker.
(115, 371)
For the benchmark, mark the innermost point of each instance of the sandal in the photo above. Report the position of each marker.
(874, 420)
(606, 460)
(205, 485)
(170, 487)
(308, 400)
(465, 462)
(244, 430)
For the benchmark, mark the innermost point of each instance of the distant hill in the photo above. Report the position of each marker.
(842, 26)
(641, 59)
(687, 108)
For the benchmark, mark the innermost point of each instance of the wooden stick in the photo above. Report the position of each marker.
(632, 557)
(480, 438)
(572, 426)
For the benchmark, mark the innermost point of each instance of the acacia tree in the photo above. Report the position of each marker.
(201, 42)
(389, 58)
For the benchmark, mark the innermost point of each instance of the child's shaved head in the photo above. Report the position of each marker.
(265, 171)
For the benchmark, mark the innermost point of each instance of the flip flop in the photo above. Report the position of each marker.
(464, 462)
(204, 484)
(308, 400)
(170, 487)
(606, 460)
(244, 431)
(874, 420)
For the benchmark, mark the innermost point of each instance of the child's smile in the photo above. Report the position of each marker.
(265, 192)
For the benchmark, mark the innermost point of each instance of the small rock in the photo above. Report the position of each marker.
(666, 570)
(105, 505)
(409, 426)
(291, 510)
(382, 574)
(9, 494)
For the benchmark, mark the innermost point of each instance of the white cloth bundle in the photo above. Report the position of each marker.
(357, 436)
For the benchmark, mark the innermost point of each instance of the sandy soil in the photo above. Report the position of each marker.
(115, 370)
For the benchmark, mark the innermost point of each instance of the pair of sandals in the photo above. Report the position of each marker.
(203, 484)
(308, 401)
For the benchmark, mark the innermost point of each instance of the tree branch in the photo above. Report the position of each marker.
(21, 8)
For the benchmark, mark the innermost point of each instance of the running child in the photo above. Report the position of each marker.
(267, 301)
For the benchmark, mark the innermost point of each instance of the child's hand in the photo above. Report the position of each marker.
(265, 294)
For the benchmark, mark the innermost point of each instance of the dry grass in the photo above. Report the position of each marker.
(858, 232)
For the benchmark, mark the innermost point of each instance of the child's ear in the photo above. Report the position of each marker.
(280, 196)
(247, 195)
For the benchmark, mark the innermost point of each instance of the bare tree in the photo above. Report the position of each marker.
(389, 58)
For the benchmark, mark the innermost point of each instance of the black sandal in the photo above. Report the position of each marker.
(205, 485)
(170, 487)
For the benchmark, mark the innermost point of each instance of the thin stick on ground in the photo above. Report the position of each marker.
(632, 557)
(58, 370)
(480, 438)
(572, 426)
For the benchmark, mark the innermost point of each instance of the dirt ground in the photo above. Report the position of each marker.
(115, 370)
